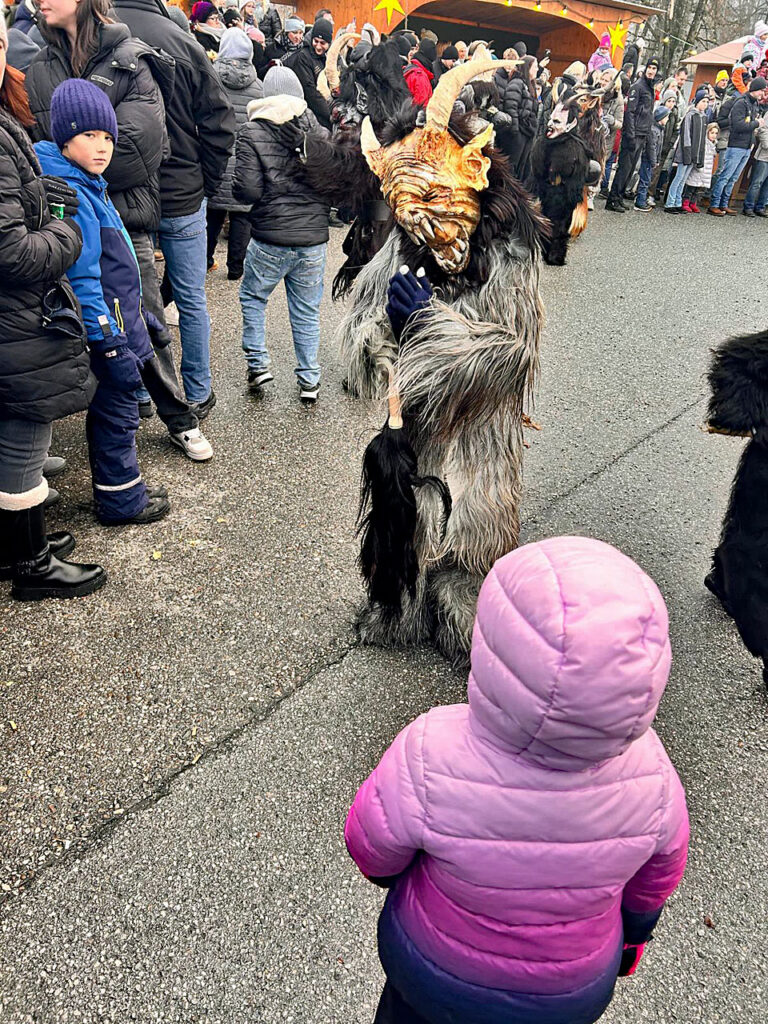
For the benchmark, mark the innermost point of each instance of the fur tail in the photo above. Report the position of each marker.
(579, 218)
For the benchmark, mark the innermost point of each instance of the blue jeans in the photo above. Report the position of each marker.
(732, 163)
(757, 197)
(675, 194)
(608, 167)
(302, 268)
(646, 173)
(184, 243)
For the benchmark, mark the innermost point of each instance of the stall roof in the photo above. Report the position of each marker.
(722, 55)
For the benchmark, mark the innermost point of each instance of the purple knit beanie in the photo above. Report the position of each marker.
(80, 106)
(202, 10)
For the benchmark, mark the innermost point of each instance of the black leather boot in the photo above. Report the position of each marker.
(38, 573)
(60, 543)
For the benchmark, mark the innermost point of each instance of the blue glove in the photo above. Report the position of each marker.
(406, 295)
(118, 367)
(159, 334)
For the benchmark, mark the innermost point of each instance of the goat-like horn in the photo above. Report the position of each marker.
(332, 57)
(368, 141)
(452, 82)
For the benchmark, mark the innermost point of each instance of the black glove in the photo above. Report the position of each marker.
(59, 193)
(159, 334)
(406, 295)
(291, 136)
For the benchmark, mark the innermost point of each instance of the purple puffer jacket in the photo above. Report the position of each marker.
(537, 828)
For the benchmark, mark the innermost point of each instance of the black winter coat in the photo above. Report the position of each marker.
(286, 211)
(516, 101)
(307, 65)
(271, 25)
(638, 116)
(241, 84)
(135, 79)
(200, 120)
(44, 375)
(743, 121)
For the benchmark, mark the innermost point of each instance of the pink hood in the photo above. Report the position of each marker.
(571, 674)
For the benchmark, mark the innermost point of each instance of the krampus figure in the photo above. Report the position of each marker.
(446, 319)
(561, 168)
(738, 377)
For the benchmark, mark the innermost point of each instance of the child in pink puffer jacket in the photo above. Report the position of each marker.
(536, 832)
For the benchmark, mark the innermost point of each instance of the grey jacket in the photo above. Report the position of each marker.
(241, 84)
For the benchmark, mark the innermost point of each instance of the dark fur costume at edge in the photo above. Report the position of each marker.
(738, 378)
(463, 372)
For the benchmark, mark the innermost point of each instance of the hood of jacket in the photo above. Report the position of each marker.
(570, 653)
(277, 109)
(235, 72)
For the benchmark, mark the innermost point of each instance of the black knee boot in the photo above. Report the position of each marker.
(37, 572)
(61, 544)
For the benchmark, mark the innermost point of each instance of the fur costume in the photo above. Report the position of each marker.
(468, 362)
(561, 168)
(738, 378)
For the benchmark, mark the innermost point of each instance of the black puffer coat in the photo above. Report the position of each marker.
(307, 65)
(241, 84)
(515, 99)
(201, 124)
(135, 78)
(285, 211)
(44, 375)
(271, 25)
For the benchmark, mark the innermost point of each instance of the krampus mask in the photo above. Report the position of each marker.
(431, 181)
(564, 117)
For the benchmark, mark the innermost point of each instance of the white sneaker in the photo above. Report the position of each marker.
(171, 315)
(194, 444)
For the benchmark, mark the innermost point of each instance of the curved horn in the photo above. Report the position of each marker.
(452, 82)
(368, 141)
(332, 57)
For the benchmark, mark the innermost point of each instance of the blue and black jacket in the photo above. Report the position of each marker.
(106, 276)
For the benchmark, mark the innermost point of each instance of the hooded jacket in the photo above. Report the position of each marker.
(285, 211)
(420, 80)
(515, 99)
(241, 84)
(755, 45)
(541, 825)
(742, 121)
(105, 276)
(44, 374)
(270, 24)
(691, 140)
(307, 65)
(638, 116)
(200, 121)
(136, 79)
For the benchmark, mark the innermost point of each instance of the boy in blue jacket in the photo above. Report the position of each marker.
(107, 283)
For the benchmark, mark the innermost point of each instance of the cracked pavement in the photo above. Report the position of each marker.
(185, 743)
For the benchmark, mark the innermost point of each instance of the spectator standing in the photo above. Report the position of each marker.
(756, 198)
(267, 20)
(743, 72)
(206, 26)
(689, 151)
(285, 43)
(419, 76)
(308, 63)
(518, 99)
(447, 59)
(481, 819)
(289, 230)
(636, 130)
(201, 132)
(107, 283)
(612, 117)
(650, 159)
(44, 366)
(700, 178)
(669, 99)
(241, 85)
(81, 39)
(601, 58)
(743, 119)
(461, 49)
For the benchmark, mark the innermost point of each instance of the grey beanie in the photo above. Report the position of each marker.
(281, 81)
(235, 43)
(294, 24)
(178, 16)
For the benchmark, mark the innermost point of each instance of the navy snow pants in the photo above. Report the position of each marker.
(110, 425)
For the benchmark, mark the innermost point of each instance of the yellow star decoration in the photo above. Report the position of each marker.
(389, 6)
(618, 35)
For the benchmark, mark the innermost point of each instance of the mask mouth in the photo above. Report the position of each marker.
(451, 253)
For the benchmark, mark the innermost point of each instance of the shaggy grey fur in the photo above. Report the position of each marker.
(464, 375)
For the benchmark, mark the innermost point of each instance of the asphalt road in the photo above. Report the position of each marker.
(177, 752)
